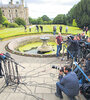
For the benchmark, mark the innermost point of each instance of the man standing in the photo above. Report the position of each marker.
(60, 28)
(86, 30)
(68, 84)
(66, 29)
(59, 39)
(29, 28)
(41, 27)
(54, 30)
(25, 28)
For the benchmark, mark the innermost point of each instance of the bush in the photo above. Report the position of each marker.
(20, 21)
(6, 23)
(74, 23)
(12, 25)
(0, 25)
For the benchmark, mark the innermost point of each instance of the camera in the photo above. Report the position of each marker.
(70, 37)
(61, 69)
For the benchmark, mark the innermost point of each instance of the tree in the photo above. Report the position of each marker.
(39, 20)
(6, 23)
(59, 19)
(20, 21)
(74, 23)
(81, 13)
(45, 18)
(1, 16)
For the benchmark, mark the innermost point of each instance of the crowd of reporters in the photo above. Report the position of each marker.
(78, 49)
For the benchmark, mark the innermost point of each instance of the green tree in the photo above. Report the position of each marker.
(74, 23)
(6, 23)
(81, 13)
(20, 21)
(1, 16)
(45, 18)
(59, 19)
(39, 20)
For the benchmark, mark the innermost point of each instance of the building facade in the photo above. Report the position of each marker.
(12, 11)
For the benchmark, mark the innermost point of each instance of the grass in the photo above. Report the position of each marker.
(13, 32)
(37, 44)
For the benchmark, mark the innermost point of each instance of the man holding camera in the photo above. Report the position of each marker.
(68, 84)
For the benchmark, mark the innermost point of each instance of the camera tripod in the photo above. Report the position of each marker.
(10, 70)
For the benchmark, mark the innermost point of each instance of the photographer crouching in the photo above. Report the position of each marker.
(68, 84)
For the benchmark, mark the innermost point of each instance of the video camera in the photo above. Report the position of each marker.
(61, 69)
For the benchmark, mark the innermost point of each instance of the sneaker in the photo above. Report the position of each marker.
(57, 95)
(73, 98)
(60, 96)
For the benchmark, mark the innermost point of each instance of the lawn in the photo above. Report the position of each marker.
(37, 44)
(12, 32)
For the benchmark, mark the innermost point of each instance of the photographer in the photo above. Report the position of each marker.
(69, 47)
(85, 47)
(88, 62)
(68, 84)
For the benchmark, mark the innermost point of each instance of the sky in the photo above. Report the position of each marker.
(51, 8)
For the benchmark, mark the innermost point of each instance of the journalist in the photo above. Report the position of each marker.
(69, 46)
(68, 84)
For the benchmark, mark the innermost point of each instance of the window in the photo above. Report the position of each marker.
(16, 15)
(2, 10)
(9, 15)
(16, 10)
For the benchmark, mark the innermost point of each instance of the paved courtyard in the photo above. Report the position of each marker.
(37, 80)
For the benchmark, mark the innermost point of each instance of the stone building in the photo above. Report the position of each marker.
(12, 11)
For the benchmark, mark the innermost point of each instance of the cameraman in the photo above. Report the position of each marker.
(86, 47)
(68, 84)
(69, 47)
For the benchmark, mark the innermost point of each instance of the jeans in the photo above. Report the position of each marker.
(79, 54)
(54, 32)
(74, 53)
(59, 47)
(60, 88)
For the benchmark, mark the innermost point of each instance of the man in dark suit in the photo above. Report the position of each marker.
(68, 84)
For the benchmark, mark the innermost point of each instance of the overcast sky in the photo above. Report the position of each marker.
(51, 8)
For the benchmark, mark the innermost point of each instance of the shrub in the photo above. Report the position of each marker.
(74, 23)
(0, 25)
(6, 23)
(12, 25)
(20, 21)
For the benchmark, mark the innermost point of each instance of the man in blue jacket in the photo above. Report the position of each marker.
(68, 84)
